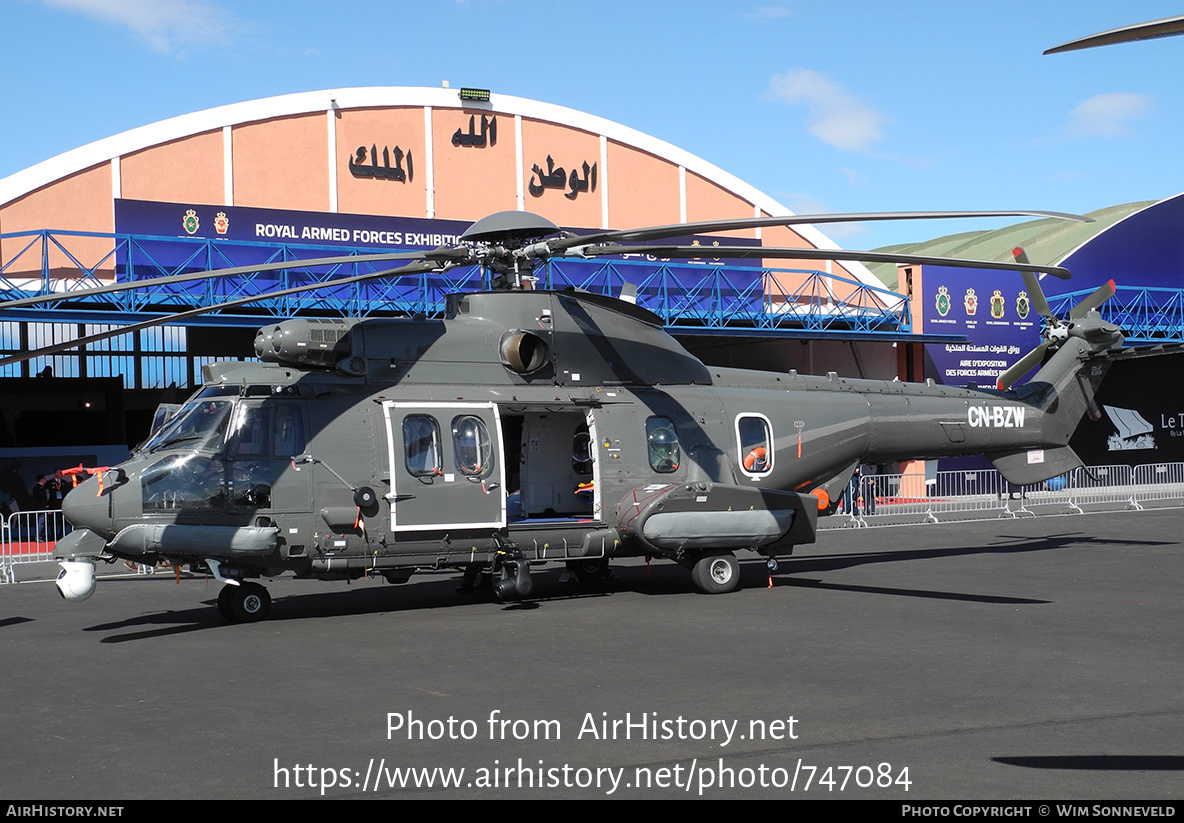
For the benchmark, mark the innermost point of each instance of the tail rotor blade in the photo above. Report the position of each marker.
(1035, 292)
(1103, 293)
(1021, 367)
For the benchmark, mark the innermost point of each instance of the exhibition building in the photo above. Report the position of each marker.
(355, 171)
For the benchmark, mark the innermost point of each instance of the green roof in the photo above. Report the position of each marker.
(1047, 241)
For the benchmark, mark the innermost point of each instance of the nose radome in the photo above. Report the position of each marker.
(85, 508)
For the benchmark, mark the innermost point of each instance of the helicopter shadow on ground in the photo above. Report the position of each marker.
(431, 591)
(428, 592)
(1006, 545)
(1099, 762)
(14, 621)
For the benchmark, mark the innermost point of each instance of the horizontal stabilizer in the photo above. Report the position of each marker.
(1028, 466)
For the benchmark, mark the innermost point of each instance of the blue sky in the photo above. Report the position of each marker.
(830, 106)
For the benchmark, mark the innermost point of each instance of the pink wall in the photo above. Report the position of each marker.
(188, 170)
(80, 202)
(284, 162)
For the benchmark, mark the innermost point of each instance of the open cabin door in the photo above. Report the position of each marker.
(447, 466)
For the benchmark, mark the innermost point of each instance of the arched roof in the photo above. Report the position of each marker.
(1046, 241)
(227, 118)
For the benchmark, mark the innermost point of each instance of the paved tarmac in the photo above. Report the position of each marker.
(1035, 659)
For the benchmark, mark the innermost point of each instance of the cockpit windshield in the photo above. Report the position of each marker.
(199, 425)
(222, 454)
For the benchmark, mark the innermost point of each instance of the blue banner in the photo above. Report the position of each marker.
(172, 238)
(991, 308)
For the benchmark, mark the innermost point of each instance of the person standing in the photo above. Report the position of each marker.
(40, 492)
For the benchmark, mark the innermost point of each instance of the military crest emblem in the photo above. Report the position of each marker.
(190, 222)
(970, 302)
(221, 222)
(997, 304)
(1023, 305)
(943, 301)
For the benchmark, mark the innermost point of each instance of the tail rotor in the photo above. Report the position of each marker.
(1099, 334)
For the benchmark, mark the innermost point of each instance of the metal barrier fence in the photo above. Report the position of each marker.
(1159, 481)
(879, 500)
(896, 499)
(29, 537)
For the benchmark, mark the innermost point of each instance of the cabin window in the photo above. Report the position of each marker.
(662, 442)
(581, 450)
(421, 445)
(755, 436)
(470, 445)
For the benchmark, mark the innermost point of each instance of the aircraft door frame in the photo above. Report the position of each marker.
(596, 452)
(444, 491)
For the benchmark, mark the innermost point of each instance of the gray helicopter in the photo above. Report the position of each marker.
(532, 426)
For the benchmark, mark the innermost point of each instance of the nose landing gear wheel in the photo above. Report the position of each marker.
(246, 603)
(716, 573)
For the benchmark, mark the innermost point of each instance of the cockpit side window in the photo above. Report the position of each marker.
(421, 445)
(662, 443)
(250, 431)
(249, 448)
(288, 431)
(754, 435)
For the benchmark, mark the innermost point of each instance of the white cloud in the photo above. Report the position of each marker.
(836, 116)
(855, 179)
(168, 26)
(802, 203)
(1106, 115)
(776, 12)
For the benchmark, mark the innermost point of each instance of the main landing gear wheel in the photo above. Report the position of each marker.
(589, 570)
(224, 601)
(247, 603)
(716, 573)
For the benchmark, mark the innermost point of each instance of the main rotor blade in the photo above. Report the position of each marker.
(1021, 367)
(782, 252)
(411, 268)
(1166, 27)
(440, 253)
(709, 226)
(1100, 295)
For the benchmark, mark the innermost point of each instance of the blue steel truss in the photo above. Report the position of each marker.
(1145, 315)
(690, 298)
